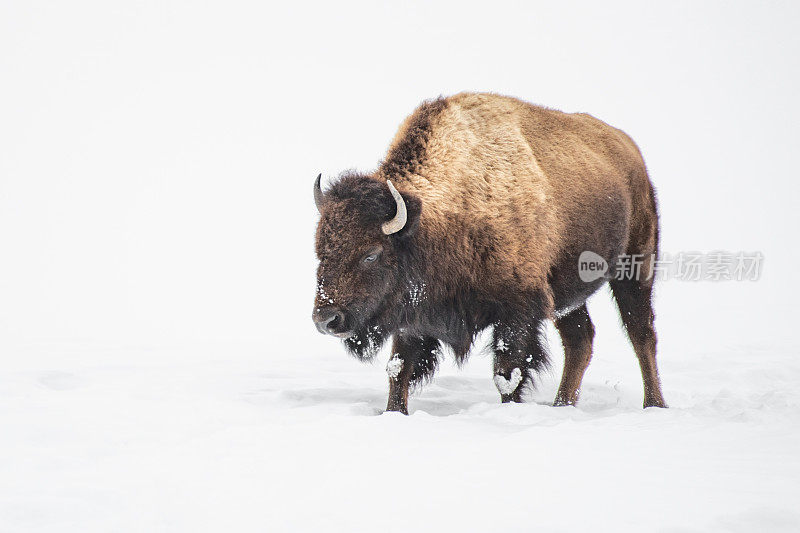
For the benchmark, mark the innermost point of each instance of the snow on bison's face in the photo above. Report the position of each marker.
(361, 232)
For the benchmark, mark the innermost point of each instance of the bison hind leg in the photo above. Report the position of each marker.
(577, 333)
(634, 301)
(520, 351)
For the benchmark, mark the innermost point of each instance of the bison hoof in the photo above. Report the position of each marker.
(510, 398)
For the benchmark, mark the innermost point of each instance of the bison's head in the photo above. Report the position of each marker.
(363, 239)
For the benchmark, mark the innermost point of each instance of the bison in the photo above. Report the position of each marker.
(476, 218)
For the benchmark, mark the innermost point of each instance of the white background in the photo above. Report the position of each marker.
(156, 251)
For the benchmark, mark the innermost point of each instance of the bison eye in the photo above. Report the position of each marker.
(372, 256)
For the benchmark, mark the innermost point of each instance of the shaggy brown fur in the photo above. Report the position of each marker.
(502, 198)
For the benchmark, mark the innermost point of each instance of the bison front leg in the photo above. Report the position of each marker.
(413, 360)
(518, 351)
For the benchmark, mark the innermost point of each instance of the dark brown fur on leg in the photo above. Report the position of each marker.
(635, 307)
(518, 351)
(577, 333)
(413, 360)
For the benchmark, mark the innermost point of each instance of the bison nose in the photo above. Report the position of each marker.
(329, 321)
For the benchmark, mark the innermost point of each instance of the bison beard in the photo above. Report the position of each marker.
(494, 201)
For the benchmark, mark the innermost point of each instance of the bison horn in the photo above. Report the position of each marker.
(318, 193)
(399, 220)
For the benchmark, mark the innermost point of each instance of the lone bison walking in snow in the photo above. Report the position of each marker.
(477, 218)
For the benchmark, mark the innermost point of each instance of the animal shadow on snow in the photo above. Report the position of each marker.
(445, 396)
(452, 395)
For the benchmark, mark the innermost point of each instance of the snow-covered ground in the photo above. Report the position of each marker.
(242, 438)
